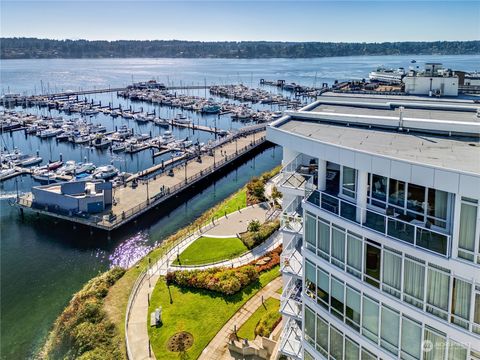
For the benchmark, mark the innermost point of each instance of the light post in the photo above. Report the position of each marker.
(186, 162)
(148, 197)
(214, 164)
(236, 146)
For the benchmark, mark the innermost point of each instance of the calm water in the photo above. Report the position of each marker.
(44, 262)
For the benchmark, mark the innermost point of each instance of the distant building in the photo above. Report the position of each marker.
(91, 196)
(472, 79)
(435, 80)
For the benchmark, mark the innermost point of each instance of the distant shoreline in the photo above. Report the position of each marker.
(32, 48)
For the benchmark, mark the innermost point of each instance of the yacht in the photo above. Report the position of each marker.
(67, 168)
(4, 173)
(389, 76)
(161, 122)
(82, 168)
(118, 147)
(44, 176)
(101, 142)
(28, 160)
(105, 172)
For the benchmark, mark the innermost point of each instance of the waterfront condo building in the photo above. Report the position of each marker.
(381, 229)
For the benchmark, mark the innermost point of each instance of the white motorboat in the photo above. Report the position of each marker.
(105, 172)
(82, 168)
(4, 173)
(67, 168)
(44, 176)
(28, 160)
(118, 147)
(101, 142)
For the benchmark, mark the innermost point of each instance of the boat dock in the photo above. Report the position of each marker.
(194, 127)
(154, 186)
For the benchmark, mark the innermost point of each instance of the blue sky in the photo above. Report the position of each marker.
(347, 21)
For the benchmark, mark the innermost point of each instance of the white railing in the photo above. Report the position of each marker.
(291, 344)
(290, 299)
(413, 232)
(291, 218)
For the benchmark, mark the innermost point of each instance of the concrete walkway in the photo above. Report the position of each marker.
(236, 222)
(217, 348)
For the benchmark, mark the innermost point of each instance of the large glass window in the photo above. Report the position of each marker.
(338, 246)
(396, 193)
(307, 355)
(309, 326)
(379, 190)
(310, 280)
(349, 176)
(476, 311)
(434, 345)
(311, 232)
(392, 273)
(323, 287)
(373, 256)
(438, 284)
(437, 207)
(354, 255)
(411, 339)
(456, 351)
(336, 344)
(352, 350)
(322, 336)
(461, 296)
(468, 223)
(370, 319)
(352, 310)
(413, 282)
(416, 200)
(390, 330)
(367, 355)
(337, 301)
(324, 239)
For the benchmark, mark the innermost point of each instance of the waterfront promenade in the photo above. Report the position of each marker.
(137, 312)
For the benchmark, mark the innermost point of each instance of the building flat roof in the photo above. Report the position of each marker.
(455, 153)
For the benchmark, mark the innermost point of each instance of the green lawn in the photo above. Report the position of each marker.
(206, 250)
(280, 290)
(247, 330)
(202, 313)
(235, 202)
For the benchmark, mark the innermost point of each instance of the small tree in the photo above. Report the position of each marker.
(253, 226)
(256, 189)
(276, 194)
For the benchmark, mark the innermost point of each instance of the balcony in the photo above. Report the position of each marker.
(291, 260)
(290, 301)
(291, 340)
(298, 176)
(292, 216)
(396, 226)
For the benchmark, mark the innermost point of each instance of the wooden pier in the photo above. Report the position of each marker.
(132, 201)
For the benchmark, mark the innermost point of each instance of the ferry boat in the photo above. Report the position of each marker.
(389, 76)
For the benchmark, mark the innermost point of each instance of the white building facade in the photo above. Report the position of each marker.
(381, 227)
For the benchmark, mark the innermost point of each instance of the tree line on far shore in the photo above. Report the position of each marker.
(33, 48)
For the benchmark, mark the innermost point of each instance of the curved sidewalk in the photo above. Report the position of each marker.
(137, 326)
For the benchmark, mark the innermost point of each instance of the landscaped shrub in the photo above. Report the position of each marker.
(268, 322)
(83, 331)
(224, 280)
(256, 186)
(255, 238)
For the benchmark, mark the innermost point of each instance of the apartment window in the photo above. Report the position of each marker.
(307, 355)
(413, 282)
(461, 295)
(336, 344)
(367, 355)
(338, 246)
(438, 286)
(349, 176)
(337, 298)
(323, 239)
(354, 255)
(390, 332)
(437, 349)
(476, 311)
(310, 280)
(373, 256)
(437, 207)
(379, 191)
(370, 319)
(309, 326)
(310, 232)
(416, 200)
(352, 310)
(323, 288)
(322, 336)
(352, 350)
(468, 223)
(396, 193)
(456, 351)
(392, 273)
(411, 345)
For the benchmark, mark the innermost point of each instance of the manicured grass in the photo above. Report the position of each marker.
(247, 330)
(233, 203)
(199, 312)
(279, 291)
(206, 250)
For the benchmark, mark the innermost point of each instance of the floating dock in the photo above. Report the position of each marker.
(149, 192)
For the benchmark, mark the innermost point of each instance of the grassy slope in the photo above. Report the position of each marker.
(247, 330)
(200, 312)
(207, 250)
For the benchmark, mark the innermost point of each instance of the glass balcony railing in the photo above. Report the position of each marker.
(299, 173)
(291, 218)
(291, 343)
(291, 262)
(413, 232)
(290, 301)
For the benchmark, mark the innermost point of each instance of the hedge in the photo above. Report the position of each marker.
(252, 239)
